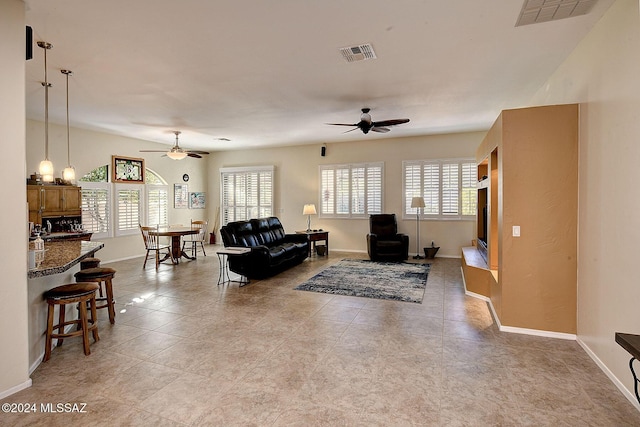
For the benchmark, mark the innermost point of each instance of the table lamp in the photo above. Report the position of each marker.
(417, 202)
(309, 210)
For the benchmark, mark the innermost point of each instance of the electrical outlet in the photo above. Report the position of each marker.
(516, 231)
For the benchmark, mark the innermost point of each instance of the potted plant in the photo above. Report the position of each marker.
(431, 252)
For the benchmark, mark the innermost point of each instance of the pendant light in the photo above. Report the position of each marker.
(69, 173)
(46, 167)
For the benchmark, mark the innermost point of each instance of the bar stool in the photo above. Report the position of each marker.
(101, 275)
(81, 293)
(89, 263)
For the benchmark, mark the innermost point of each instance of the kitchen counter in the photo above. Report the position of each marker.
(60, 256)
(65, 235)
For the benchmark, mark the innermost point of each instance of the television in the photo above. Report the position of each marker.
(482, 222)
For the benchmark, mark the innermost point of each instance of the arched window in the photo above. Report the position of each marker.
(110, 209)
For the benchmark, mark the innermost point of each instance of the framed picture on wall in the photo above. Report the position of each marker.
(127, 169)
(196, 201)
(180, 196)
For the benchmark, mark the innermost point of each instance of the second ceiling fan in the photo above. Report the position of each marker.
(366, 124)
(178, 153)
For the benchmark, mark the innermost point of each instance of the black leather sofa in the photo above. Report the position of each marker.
(272, 250)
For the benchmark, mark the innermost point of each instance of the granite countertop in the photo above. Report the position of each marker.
(61, 256)
(63, 235)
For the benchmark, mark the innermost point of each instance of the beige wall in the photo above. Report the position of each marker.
(297, 184)
(90, 150)
(14, 372)
(603, 75)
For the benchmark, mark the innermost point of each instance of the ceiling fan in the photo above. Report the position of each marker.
(177, 153)
(366, 124)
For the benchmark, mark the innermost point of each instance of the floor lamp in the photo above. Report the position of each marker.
(417, 203)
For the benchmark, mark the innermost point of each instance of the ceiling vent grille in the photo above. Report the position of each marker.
(536, 11)
(361, 52)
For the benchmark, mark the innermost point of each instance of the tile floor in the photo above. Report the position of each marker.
(186, 352)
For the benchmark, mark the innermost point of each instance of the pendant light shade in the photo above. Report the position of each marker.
(69, 173)
(46, 167)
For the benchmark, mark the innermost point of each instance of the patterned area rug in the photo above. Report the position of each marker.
(362, 278)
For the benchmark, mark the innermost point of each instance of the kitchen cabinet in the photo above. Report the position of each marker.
(53, 201)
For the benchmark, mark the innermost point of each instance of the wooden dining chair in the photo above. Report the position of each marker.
(152, 243)
(194, 239)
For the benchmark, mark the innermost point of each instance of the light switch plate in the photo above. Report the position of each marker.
(516, 231)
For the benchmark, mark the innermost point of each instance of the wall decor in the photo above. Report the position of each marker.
(180, 196)
(196, 200)
(127, 169)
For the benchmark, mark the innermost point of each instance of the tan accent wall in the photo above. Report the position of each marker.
(533, 159)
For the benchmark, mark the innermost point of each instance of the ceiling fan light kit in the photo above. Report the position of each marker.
(177, 153)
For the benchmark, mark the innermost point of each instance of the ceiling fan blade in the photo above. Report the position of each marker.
(392, 122)
(153, 151)
(342, 124)
(191, 154)
(197, 151)
(379, 129)
(350, 130)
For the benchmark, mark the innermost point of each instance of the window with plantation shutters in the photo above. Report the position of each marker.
(246, 193)
(351, 191)
(469, 189)
(96, 200)
(447, 186)
(157, 205)
(129, 206)
(110, 210)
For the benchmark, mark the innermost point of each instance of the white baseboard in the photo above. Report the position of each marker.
(627, 393)
(513, 329)
(15, 388)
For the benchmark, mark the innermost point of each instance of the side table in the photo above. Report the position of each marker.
(314, 236)
(223, 260)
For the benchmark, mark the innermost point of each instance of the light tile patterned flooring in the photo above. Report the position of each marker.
(184, 351)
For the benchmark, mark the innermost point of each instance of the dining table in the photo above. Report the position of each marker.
(176, 234)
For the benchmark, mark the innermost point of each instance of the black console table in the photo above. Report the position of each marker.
(631, 343)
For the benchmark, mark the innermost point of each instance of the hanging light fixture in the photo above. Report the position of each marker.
(46, 167)
(177, 153)
(69, 173)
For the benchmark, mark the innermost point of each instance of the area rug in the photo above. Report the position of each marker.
(361, 278)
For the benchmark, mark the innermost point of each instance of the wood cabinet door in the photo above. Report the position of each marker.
(33, 197)
(52, 199)
(71, 198)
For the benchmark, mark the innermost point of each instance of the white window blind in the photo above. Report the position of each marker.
(129, 208)
(96, 200)
(447, 186)
(157, 204)
(246, 193)
(351, 191)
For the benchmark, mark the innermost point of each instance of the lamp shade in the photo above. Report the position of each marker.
(69, 173)
(417, 202)
(309, 209)
(176, 155)
(46, 170)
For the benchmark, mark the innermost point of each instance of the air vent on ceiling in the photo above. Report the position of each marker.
(361, 52)
(536, 11)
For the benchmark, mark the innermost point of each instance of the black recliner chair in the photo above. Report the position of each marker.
(384, 243)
